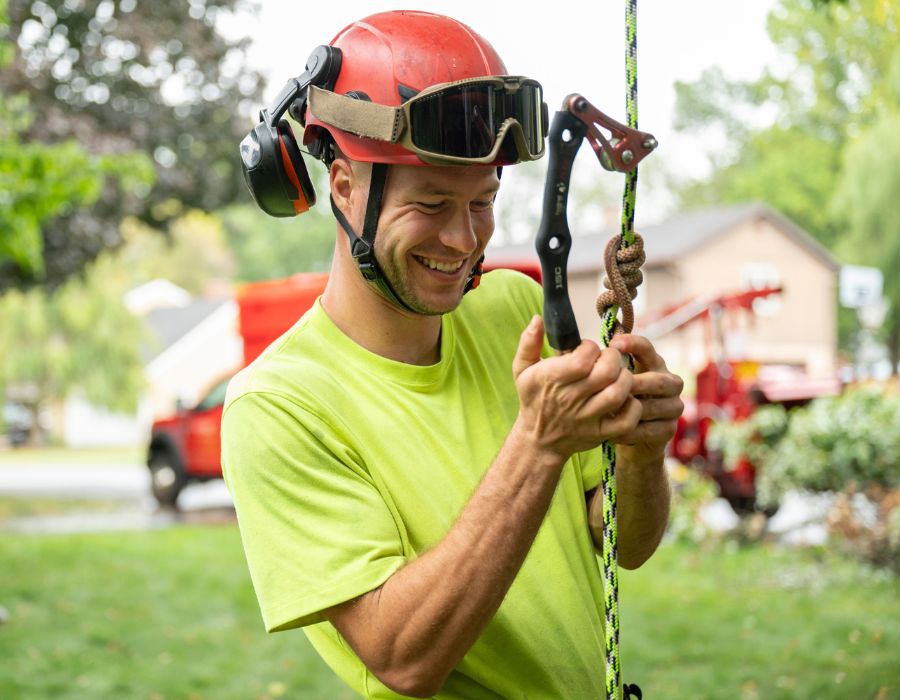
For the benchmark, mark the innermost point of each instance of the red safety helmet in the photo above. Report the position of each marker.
(388, 58)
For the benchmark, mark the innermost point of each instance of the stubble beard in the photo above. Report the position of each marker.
(406, 292)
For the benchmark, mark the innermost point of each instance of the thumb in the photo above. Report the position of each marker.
(530, 345)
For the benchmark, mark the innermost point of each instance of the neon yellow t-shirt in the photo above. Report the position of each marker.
(345, 465)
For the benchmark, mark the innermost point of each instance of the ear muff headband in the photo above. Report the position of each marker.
(271, 160)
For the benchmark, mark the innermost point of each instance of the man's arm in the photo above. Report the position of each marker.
(413, 630)
(641, 480)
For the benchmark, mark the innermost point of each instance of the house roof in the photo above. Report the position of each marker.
(169, 325)
(675, 238)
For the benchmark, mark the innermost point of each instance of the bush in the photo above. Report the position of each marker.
(691, 492)
(848, 444)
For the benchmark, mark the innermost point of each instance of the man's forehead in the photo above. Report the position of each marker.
(448, 181)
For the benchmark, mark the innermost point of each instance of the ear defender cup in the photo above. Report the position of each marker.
(275, 172)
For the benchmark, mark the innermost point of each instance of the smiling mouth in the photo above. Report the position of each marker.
(448, 267)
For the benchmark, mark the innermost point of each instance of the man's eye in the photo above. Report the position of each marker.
(432, 206)
(483, 205)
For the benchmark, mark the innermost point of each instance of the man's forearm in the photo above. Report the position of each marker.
(643, 501)
(435, 608)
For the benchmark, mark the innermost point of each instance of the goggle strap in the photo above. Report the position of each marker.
(366, 119)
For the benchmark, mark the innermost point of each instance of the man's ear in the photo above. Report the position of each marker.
(342, 181)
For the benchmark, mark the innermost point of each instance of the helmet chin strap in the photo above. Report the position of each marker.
(362, 248)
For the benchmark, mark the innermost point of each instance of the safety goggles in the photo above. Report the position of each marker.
(463, 122)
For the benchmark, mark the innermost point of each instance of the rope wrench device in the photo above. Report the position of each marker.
(621, 151)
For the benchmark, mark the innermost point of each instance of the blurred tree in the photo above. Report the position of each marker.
(40, 181)
(268, 248)
(867, 200)
(79, 337)
(791, 140)
(121, 76)
(782, 135)
(194, 254)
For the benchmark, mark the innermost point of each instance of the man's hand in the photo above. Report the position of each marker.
(659, 393)
(574, 401)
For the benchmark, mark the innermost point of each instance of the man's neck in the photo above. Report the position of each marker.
(378, 325)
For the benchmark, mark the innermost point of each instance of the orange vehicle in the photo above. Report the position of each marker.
(185, 447)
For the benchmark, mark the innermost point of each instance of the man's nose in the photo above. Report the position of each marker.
(459, 232)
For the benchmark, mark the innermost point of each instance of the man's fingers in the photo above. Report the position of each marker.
(624, 421)
(531, 342)
(654, 432)
(607, 368)
(611, 397)
(668, 408)
(657, 384)
(645, 356)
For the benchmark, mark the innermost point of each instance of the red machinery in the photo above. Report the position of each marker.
(728, 389)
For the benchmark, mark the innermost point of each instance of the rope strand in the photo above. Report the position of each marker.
(624, 256)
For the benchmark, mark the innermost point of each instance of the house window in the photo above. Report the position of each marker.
(759, 275)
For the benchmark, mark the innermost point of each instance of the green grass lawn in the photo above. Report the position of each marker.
(171, 614)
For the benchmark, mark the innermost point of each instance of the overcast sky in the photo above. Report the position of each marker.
(573, 46)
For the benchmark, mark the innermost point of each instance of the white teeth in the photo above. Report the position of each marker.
(441, 267)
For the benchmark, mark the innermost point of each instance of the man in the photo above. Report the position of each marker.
(412, 470)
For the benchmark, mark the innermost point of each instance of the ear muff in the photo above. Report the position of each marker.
(271, 160)
(275, 172)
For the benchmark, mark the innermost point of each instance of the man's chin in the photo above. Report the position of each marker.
(431, 307)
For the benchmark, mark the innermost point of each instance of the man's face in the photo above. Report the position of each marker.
(435, 224)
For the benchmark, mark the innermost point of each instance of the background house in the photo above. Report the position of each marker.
(717, 251)
(193, 343)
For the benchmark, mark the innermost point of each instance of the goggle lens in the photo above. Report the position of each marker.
(465, 120)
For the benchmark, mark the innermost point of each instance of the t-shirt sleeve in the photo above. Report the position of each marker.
(591, 466)
(315, 530)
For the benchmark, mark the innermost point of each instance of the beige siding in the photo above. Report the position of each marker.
(799, 328)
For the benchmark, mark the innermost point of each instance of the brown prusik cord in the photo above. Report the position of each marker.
(623, 277)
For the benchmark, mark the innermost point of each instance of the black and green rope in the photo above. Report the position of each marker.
(608, 328)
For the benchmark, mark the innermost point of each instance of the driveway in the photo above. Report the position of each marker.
(128, 484)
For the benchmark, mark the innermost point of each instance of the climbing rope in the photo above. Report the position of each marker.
(619, 148)
(623, 258)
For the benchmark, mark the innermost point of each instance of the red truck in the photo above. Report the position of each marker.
(184, 448)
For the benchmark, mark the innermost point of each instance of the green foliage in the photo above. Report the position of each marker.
(79, 337)
(835, 441)
(122, 77)
(792, 170)
(691, 492)
(191, 253)
(817, 140)
(866, 201)
(39, 181)
(269, 248)
(845, 445)
(825, 446)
